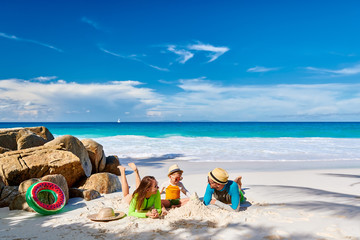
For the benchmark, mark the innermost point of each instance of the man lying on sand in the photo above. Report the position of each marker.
(227, 194)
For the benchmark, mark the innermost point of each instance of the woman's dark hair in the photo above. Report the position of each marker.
(141, 191)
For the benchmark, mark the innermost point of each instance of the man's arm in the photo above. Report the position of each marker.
(235, 195)
(224, 206)
(208, 195)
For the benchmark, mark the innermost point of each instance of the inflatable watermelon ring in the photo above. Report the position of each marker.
(43, 208)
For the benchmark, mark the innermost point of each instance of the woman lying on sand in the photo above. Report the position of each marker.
(146, 200)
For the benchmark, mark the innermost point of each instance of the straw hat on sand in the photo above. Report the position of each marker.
(106, 214)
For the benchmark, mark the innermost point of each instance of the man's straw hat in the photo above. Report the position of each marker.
(106, 214)
(219, 175)
(174, 168)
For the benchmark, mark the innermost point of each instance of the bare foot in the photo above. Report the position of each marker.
(238, 181)
(132, 166)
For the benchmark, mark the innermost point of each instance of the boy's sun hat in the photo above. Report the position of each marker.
(174, 168)
(219, 175)
(106, 214)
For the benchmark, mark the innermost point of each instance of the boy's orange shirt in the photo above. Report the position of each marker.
(172, 192)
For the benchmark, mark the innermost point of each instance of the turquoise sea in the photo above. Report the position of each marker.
(254, 145)
(201, 129)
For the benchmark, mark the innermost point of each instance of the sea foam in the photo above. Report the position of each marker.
(208, 149)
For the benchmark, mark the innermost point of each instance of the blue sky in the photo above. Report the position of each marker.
(179, 60)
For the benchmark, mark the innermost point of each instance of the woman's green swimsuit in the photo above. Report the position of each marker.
(153, 201)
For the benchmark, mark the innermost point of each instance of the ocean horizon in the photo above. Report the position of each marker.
(199, 129)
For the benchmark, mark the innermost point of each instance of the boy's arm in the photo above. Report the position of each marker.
(163, 187)
(184, 190)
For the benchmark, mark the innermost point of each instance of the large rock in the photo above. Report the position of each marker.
(7, 195)
(87, 194)
(19, 203)
(76, 192)
(96, 155)
(103, 183)
(23, 187)
(102, 162)
(8, 139)
(74, 145)
(2, 150)
(111, 165)
(42, 132)
(90, 194)
(20, 165)
(28, 139)
(9, 136)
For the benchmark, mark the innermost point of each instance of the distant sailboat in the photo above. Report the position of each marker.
(118, 121)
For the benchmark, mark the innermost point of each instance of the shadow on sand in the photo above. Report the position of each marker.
(194, 229)
(341, 175)
(37, 227)
(344, 176)
(185, 229)
(153, 161)
(336, 203)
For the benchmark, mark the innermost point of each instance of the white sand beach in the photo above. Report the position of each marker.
(306, 204)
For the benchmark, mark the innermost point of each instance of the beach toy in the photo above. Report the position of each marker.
(46, 209)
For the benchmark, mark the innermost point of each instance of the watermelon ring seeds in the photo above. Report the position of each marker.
(43, 208)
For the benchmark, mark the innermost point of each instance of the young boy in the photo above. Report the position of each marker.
(172, 188)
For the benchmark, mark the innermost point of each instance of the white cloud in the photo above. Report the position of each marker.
(261, 69)
(45, 79)
(12, 37)
(198, 99)
(158, 68)
(153, 114)
(44, 101)
(91, 23)
(341, 72)
(134, 58)
(187, 52)
(206, 100)
(215, 52)
(184, 54)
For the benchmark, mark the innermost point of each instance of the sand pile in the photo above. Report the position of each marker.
(202, 215)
